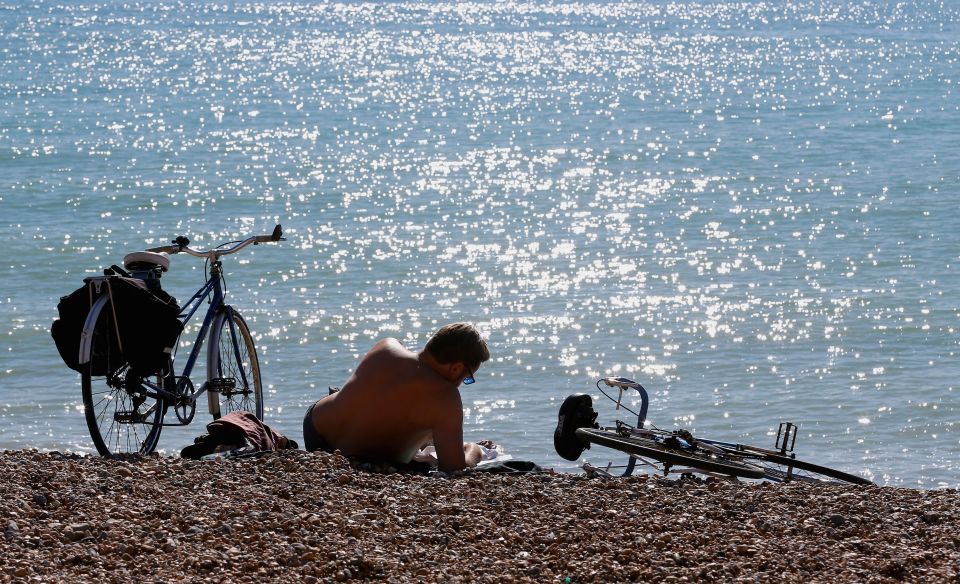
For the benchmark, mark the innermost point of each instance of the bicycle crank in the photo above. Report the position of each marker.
(185, 405)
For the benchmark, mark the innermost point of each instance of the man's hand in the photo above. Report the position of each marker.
(472, 454)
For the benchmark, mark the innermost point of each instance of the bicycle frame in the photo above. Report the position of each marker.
(212, 290)
(622, 383)
(786, 435)
(213, 286)
(117, 394)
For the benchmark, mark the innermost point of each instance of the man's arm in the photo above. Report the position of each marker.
(472, 453)
(448, 440)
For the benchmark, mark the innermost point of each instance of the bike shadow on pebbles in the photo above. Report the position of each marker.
(293, 515)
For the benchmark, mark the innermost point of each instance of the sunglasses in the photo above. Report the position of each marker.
(469, 380)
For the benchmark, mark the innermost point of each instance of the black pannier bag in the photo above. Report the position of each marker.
(66, 330)
(147, 323)
(149, 327)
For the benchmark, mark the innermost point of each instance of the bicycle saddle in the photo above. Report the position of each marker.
(575, 412)
(133, 260)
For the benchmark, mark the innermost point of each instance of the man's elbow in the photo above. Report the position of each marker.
(451, 466)
(469, 457)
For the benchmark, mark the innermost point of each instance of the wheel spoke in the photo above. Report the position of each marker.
(693, 458)
(781, 468)
(119, 422)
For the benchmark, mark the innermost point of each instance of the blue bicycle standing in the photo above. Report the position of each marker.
(127, 349)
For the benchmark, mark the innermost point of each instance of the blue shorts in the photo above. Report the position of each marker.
(312, 440)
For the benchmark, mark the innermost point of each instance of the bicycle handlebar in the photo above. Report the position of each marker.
(182, 244)
(621, 382)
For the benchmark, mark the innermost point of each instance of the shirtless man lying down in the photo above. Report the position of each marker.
(398, 401)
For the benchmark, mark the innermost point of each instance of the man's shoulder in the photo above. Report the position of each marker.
(443, 394)
(428, 384)
(391, 344)
(387, 352)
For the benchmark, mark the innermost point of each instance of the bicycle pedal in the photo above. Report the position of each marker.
(221, 384)
(128, 417)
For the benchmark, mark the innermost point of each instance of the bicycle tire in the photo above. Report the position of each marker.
(233, 369)
(648, 448)
(111, 396)
(777, 468)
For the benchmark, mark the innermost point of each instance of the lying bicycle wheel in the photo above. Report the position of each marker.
(697, 459)
(782, 468)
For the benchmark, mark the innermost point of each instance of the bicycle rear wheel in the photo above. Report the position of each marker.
(233, 370)
(781, 468)
(122, 414)
(646, 448)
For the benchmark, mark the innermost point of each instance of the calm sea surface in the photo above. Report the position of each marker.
(749, 207)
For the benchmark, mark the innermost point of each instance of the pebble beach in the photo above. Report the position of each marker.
(313, 517)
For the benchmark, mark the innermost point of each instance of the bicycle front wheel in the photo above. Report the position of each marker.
(123, 415)
(647, 448)
(233, 370)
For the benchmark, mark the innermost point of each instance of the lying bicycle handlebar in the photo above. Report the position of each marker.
(622, 383)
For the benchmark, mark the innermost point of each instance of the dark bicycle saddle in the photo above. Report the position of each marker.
(575, 412)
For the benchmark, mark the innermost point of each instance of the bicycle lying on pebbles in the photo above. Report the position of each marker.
(679, 451)
(125, 351)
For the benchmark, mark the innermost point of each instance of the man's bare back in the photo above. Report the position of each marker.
(396, 402)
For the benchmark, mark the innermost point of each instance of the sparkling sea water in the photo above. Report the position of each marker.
(749, 207)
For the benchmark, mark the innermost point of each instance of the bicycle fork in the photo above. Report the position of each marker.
(217, 384)
(786, 438)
